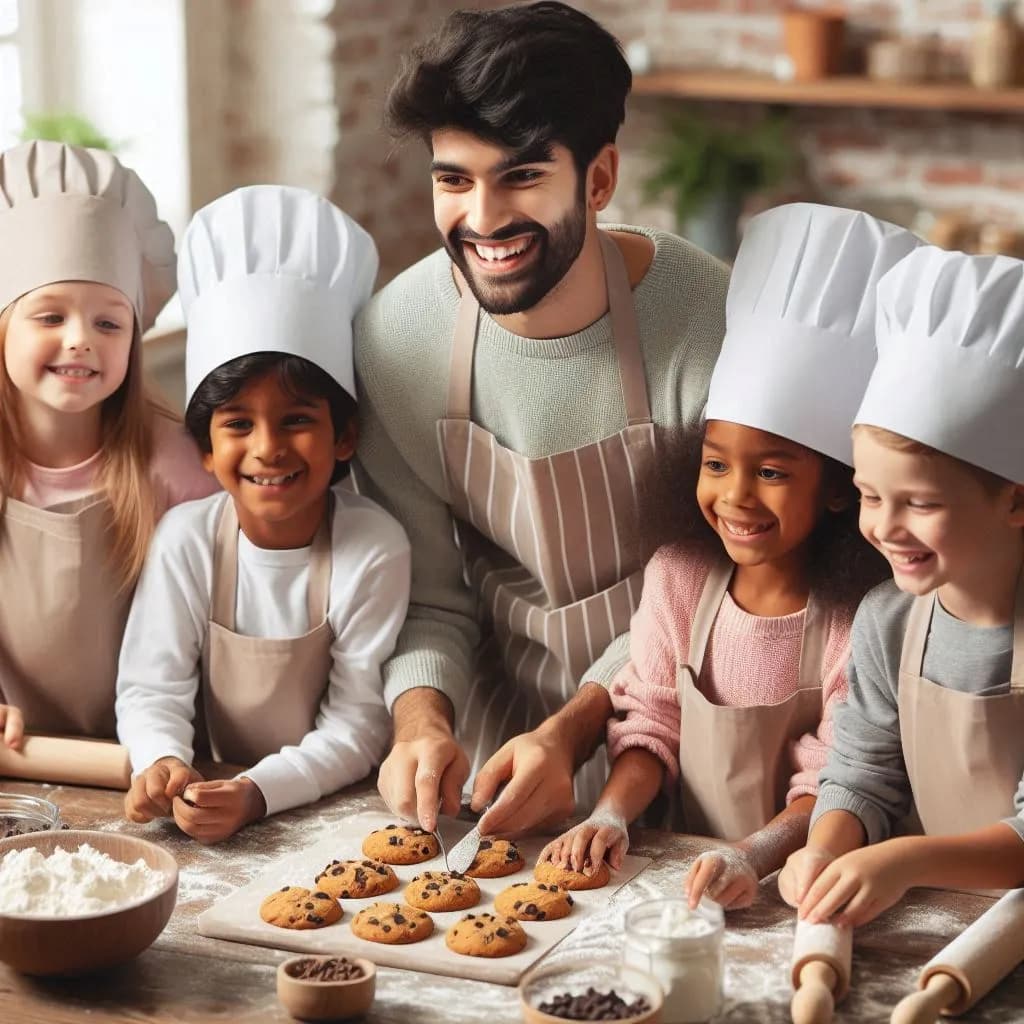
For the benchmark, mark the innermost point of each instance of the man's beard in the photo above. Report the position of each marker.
(519, 291)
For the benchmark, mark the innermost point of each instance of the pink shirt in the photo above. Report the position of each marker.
(176, 471)
(750, 660)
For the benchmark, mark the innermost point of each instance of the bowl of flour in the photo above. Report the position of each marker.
(78, 901)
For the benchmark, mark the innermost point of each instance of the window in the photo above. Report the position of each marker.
(10, 75)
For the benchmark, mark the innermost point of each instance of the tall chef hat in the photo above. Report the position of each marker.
(800, 323)
(950, 370)
(74, 214)
(273, 269)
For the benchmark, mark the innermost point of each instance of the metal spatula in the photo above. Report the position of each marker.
(462, 853)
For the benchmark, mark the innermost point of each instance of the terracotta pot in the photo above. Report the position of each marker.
(814, 41)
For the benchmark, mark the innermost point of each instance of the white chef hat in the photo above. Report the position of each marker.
(270, 268)
(800, 323)
(950, 370)
(74, 214)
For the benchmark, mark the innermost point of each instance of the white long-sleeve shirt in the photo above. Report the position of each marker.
(159, 672)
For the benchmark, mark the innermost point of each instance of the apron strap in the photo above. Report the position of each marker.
(625, 333)
(711, 597)
(225, 568)
(812, 646)
(1017, 665)
(915, 636)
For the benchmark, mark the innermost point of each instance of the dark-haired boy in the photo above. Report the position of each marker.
(512, 382)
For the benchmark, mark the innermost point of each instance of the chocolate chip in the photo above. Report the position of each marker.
(399, 919)
(394, 840)
(321, 896)
(345, 894)
(517, 904)
(541, 915)
(531, 909)
(391, 826)
(385, 928)
(309, 906)
(373, 920)
(485, 844)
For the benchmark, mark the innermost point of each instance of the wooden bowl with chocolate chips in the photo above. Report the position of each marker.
(326, 987)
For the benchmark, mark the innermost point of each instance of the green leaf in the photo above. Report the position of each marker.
(72, 129)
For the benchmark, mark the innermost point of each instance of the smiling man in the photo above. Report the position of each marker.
(512, 388)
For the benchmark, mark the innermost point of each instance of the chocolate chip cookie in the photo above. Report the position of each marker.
(569, 879)
(295, 907)
(442, 890)
(356, 879)
(533, 901)
(400, 844)
(495, 859)
(393, 923)
(486, 935)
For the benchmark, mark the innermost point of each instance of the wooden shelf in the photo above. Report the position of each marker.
(841, 91)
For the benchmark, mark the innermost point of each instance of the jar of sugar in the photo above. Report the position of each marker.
(682, 948)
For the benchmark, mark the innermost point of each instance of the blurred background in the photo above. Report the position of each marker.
(910, 109)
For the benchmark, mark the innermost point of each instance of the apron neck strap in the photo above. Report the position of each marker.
(225, 567)
(812, 643)
(625, 334)
(1017, 665)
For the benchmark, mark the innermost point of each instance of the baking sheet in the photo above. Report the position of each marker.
(237, 918)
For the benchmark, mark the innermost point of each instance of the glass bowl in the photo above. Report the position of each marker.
(20, 815)
(574, 977)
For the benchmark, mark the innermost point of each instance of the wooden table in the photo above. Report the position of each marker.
(187, 979)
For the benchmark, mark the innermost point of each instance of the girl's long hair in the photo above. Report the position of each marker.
(126, 431)
(843, 565)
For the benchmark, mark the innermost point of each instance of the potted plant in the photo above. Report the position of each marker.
(72, 129)
(709, 167)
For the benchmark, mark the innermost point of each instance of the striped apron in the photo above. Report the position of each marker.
(549, 545)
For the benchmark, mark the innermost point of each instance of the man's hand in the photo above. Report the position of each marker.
(584, 847)
(856, 887)
(12, 722)
(212, 811)
(426, 766)
(153, 790)
(727, 876)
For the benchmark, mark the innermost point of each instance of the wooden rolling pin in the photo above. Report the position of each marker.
(970, 966)
(76, 762)
(822, 955)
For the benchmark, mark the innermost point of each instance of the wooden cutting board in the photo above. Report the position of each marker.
(236, 917)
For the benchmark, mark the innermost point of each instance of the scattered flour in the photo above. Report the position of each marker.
(69, 883)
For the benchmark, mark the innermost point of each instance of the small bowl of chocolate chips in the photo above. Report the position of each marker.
(590, 990)
(326, 987)
(20, 815)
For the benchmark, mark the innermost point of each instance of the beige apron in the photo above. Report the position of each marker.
(964, 753)
(734, 762)
(62, 616)
(263, 693)
(549, 544)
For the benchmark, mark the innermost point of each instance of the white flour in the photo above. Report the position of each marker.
(65, 883)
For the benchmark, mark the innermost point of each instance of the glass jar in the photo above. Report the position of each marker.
(682, 948)
(22, 814)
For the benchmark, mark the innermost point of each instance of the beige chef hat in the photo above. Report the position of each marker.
(950, 370)
(74, 214)
(800, 323)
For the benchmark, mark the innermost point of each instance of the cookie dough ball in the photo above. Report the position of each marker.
(495, 859)
(533, 901)
(486, 935)
(401, 844)
(299, 909)
(395, 924)
(566, 878)
(356, 879)
(441, 891)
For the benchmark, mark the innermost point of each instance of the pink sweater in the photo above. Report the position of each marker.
(176, 471)
(750, 660)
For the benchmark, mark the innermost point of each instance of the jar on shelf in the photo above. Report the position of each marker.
(682, 948)
(996, 47)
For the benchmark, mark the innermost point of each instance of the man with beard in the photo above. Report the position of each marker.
(512, 386)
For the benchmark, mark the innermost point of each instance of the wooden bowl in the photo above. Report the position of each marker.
(576, 976)
(308, 999)
(50, 944)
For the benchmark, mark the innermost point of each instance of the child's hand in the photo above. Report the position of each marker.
(584, 847)
(212, 811)
(858, 886)
(800, 870)
(727, 876)
(13, 724)
(153, 790)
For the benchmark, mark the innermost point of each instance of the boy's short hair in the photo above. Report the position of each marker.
(296, 376)
(521, 77)
(991, 482)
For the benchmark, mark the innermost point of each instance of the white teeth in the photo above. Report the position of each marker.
(68, 371)
(272, 481)
(907, 559)
(493, 253)
(738, 530)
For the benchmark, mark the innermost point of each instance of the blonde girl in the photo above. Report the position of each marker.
(88, 461)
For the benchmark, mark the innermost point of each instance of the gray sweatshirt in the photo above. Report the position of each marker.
(865, 773)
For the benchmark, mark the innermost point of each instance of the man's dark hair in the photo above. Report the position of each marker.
(296, 376)
(520, 77)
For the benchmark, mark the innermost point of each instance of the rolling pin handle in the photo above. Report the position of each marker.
(924, 1007)
(814, 1000)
